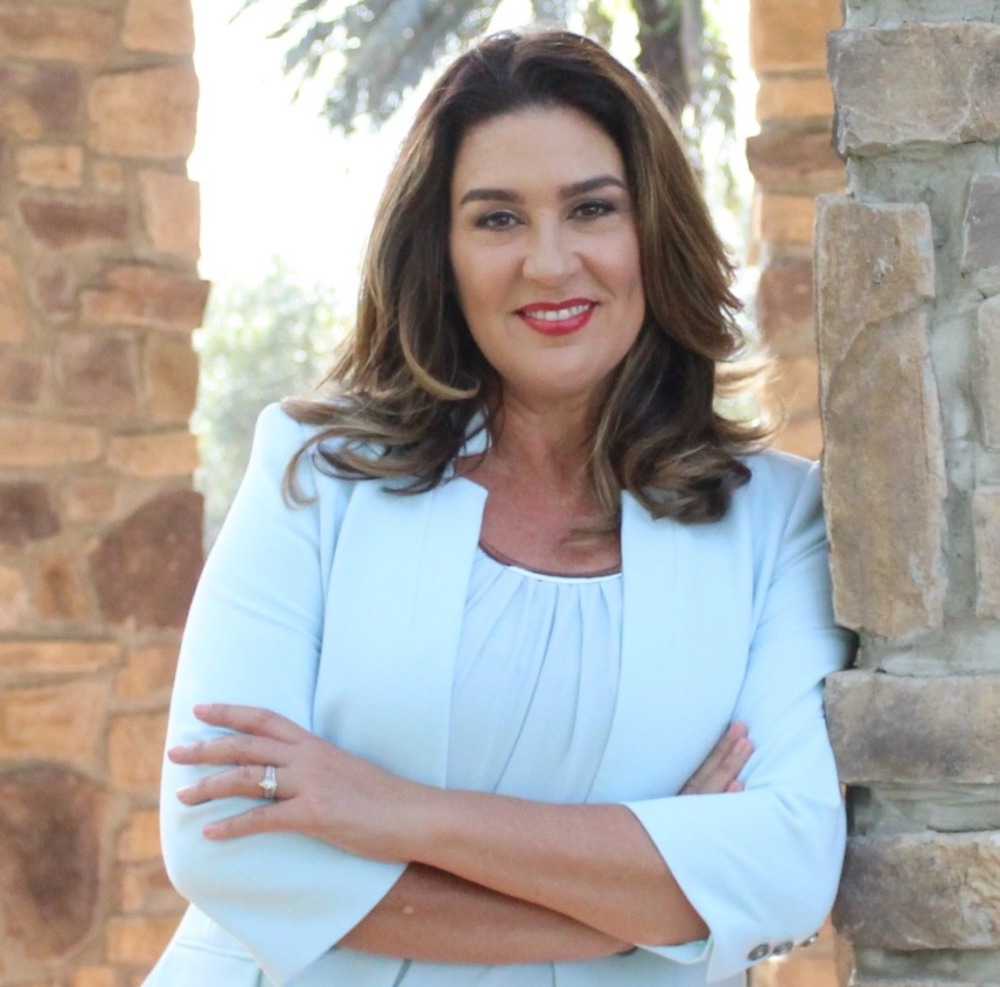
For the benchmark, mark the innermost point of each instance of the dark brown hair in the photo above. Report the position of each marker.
(411, 382)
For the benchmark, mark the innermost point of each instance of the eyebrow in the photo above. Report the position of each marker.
(565, 192)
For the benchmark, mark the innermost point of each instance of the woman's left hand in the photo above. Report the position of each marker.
(321, 791)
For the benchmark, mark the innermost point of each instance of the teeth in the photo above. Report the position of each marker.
(557, 315)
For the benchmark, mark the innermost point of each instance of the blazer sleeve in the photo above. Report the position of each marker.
(761, 866)
(253, 637)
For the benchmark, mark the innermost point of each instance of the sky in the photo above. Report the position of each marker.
(275, 182)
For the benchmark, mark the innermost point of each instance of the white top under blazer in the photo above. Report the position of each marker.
(348, 614)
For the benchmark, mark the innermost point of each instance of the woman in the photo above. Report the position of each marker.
(478, 656)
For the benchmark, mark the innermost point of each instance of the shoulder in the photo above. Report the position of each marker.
(279, 441)
(780, 509)
(780, 484)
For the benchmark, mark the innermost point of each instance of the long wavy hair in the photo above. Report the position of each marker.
(410, 384)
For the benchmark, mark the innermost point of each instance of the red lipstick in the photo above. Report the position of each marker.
(557, 318)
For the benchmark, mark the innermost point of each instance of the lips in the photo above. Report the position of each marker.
(557, 318)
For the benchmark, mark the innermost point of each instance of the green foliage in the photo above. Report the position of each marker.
(260, 342)
(378, 49)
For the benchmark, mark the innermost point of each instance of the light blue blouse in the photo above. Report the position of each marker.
(536, 680)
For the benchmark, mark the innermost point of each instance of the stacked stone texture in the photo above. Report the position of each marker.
(100, 532)
(908, 298)
(792, 161)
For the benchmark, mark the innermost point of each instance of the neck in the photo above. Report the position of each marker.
(551, 442)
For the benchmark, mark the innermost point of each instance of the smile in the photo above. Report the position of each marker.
(557, 320)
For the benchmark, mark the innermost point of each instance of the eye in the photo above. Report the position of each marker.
(593, 209)
(497, 219)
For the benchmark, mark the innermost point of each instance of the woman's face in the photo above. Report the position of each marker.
(545, 252)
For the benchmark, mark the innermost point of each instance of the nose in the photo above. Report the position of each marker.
(550, 256)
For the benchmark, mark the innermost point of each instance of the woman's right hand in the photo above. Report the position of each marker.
(719, 772)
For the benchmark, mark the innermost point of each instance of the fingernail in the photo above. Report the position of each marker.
(182, 793)
(175, 752)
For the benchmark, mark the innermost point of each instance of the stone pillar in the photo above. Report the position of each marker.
(100, 532)
(908, 276)
(792, 161)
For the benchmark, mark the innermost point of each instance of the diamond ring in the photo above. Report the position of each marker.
(269, 784)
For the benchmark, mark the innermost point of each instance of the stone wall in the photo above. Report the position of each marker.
(908, 275)
(792, 160)
(100, 531)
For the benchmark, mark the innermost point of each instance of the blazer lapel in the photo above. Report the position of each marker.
(394, 613)
(680, 670)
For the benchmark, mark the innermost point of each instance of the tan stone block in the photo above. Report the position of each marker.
(59, 593)
(26, 514)
(943, 80)
(140, 841)
(51, 864)
(33, 442)
(785, 307)
(21, 381)
(145, 568)
(98, 372)
(784, 218)
(793, 97)
(925, 891)
(171, 370)
(50, 165)
(783, 41)
(22, 660)
(63, 722)
(896, 730)
(88, 498)
(150, 113)
(162, 26)
(876, 261)
(59, 224)
(54, 282)
(986, 529)
(148, 672)
(884, 477)
(20, 118)
(39, 100)
(885, 482)
(109, 176)
(154, 454)
(147, 297)
(13, 304)
(795, 163)
(13, 599)
(135, 751)
(96, 976)
(982, 224)
(62, 32)
(986, 372)
(171, 207)
(139, 941)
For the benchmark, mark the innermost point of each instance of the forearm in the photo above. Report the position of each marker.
(433, 916)
(592, 863)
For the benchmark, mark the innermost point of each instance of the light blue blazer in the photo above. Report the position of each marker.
(344, 615)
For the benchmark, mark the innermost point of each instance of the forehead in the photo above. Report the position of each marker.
(534, 147)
